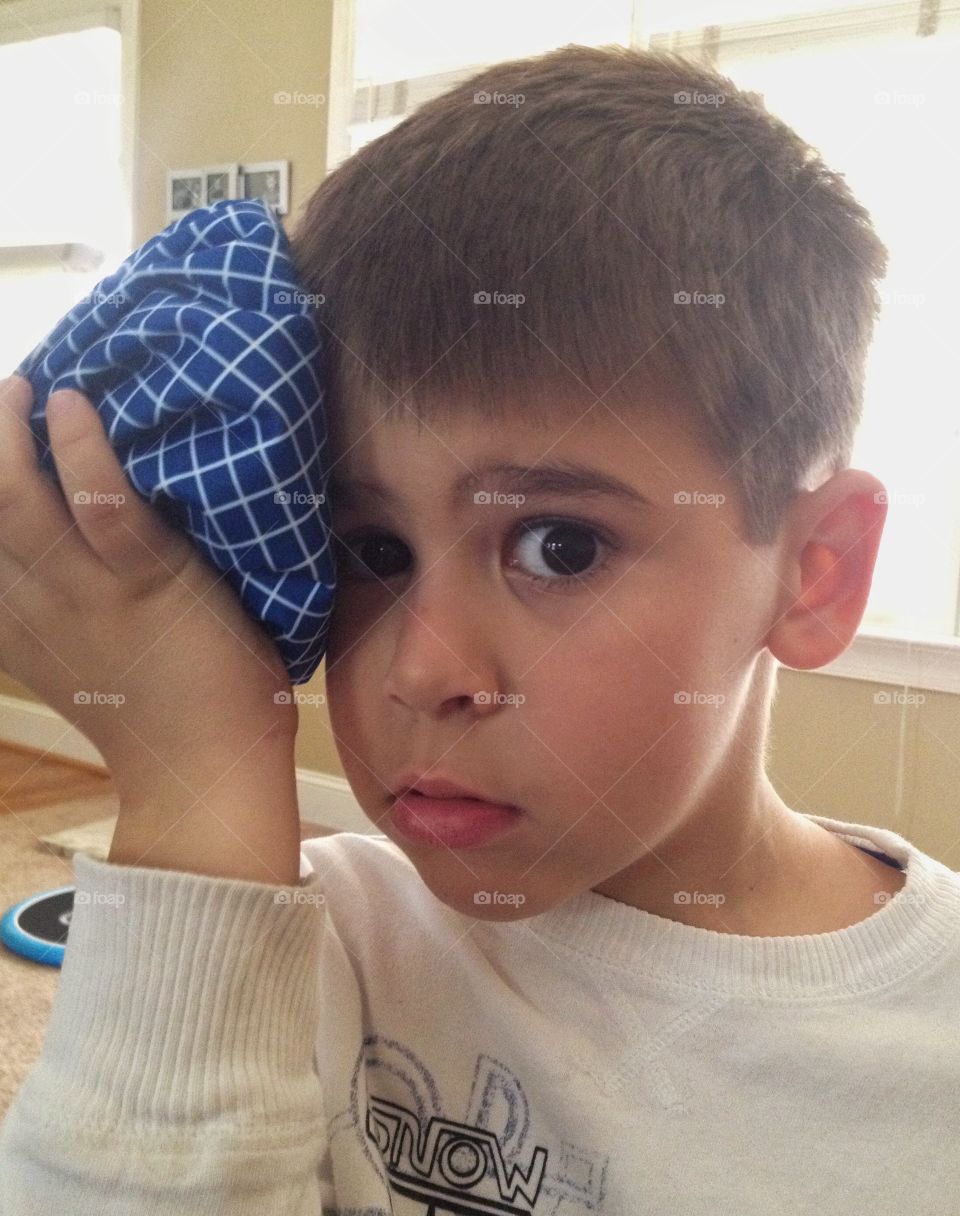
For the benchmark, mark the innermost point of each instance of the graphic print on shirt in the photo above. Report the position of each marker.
(486, 1160)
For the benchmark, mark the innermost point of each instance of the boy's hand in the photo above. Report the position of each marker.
(118, 622)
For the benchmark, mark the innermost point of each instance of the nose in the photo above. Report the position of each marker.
(444, 660)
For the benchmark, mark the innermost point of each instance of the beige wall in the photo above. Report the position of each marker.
(208, 76)
(835, 752)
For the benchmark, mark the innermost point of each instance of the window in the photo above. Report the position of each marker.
(65, 214)
(405, 54)
(871, 89)
(872, 86)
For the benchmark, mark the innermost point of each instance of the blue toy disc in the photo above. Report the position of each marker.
(37, 928)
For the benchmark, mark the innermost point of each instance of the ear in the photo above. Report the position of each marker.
(833, 534)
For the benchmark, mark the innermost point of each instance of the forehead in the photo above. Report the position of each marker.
(650, 446)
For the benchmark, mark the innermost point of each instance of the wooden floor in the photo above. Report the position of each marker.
(30, 779)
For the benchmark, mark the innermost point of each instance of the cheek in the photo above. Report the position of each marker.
(351, 720)
(349, 661)
(615, 701)
(619, 658)
(347, 621)
(596, 698)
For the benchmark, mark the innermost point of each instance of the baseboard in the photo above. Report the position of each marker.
(323, 797)
(327, 799)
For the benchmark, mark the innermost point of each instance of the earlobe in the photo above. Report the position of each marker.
(831, 566)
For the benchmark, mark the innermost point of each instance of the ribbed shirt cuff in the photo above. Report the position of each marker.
(183, 998)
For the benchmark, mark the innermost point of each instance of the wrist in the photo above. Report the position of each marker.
(235, 816)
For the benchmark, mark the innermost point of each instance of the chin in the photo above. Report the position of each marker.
(481, 894)
(491, 904)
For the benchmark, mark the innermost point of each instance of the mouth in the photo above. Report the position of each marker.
(444, 813)
(441, 787)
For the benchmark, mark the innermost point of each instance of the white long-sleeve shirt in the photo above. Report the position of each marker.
(353, 1046)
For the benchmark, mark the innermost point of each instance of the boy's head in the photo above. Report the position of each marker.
(604, 258)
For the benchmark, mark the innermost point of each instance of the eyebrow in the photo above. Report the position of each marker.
(567, 478)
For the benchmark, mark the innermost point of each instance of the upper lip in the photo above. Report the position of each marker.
(438, 787)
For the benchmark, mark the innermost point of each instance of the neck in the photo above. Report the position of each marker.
(770, 872)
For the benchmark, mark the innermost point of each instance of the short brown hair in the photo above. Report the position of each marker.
(603, 185)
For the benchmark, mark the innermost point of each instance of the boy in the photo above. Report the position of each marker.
(596, 361)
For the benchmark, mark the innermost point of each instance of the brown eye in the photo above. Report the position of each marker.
(557, 548)
(375, 555)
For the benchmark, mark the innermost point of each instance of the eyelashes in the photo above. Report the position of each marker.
(567, 552)
(555, 553)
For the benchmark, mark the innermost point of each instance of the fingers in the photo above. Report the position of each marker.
(18, 450)
(123, 530)
(98, 508)
(33, 516)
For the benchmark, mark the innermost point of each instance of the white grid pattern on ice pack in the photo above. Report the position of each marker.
(205, 365)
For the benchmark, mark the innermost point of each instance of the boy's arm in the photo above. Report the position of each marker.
(116, 621)
(177, 1072)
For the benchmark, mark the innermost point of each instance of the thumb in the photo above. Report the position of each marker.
(125, 532)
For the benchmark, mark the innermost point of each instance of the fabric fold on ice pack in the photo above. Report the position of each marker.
(205, 364)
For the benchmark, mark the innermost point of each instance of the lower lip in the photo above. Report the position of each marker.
(457, 823)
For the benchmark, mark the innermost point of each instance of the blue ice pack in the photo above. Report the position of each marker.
(202, 358)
